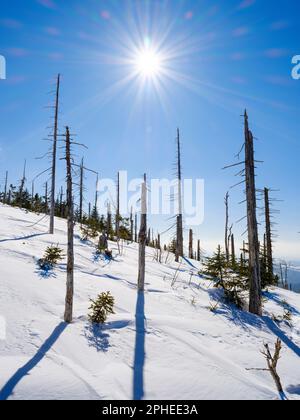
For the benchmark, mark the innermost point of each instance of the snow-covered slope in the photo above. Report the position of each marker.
(167, 345)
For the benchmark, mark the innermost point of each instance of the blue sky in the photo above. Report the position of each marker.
(225, 56)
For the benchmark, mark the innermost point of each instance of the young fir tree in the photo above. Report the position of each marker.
(51, 258)
(101, 308)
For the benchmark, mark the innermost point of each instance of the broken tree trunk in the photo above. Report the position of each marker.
(143, 238)
(198, 250)
(54, 152)
(269, 250)
(70, 253)
(255, 299)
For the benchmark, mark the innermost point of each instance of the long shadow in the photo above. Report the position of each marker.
(139, 354)
(22, 238)
(9, 387)
(281, 335)
(276, 298)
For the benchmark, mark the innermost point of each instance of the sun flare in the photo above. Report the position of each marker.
(148, 63)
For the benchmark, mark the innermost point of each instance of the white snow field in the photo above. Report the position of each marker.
(166, 344)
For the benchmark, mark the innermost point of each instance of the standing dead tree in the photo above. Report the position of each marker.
(227, 237)
(143, 237)
(179, 224)
(5, 188)
(248, 174)
(54, 153)
(68, 316)
(198, 250)
(233, 257)
(268, 234)
(191, 248)
(255, 299)
(117, 221)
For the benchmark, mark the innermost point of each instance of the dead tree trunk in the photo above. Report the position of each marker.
(143, 238)
(108, 227)
(46, 198)
(255, 300)
(70, 264)
(5, 188)
(131, 226)
(272, 362)
(81, 191)
(54, 152)
(198, 250)
(191, 251)
(135, 228)
(226, 227)
(179, 229)
(118, 209)
(269, 250)
(233, 259)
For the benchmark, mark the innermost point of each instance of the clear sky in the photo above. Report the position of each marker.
(218, 57)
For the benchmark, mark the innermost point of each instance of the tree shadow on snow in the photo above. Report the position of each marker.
(273, 327)
(139, 352)
(293, 389)
(22, 238)
(25, 370)
(98, 337)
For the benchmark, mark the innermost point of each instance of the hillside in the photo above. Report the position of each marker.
(168, 345)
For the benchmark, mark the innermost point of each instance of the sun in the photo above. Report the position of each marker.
(148, 63)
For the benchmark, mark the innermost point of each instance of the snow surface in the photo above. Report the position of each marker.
(166, 344)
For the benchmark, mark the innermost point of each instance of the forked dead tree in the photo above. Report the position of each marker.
(142, 238)
(272, 362)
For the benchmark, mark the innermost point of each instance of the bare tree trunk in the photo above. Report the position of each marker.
(255, 301)
(81, 191)
(46, 198)
(5, 188)
(269, 250)
(179, 230)
(226, 227)
(143, 239)
(70, 265)
(198, 250)
(135, 229)
(272, 362)
(233, 259)
(32, 193)
(118, 209)
(191, 251)
(131, 226)
(108, 230)
(52, 201)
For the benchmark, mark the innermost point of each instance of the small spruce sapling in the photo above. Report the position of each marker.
(51, 258)
(101, 308)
